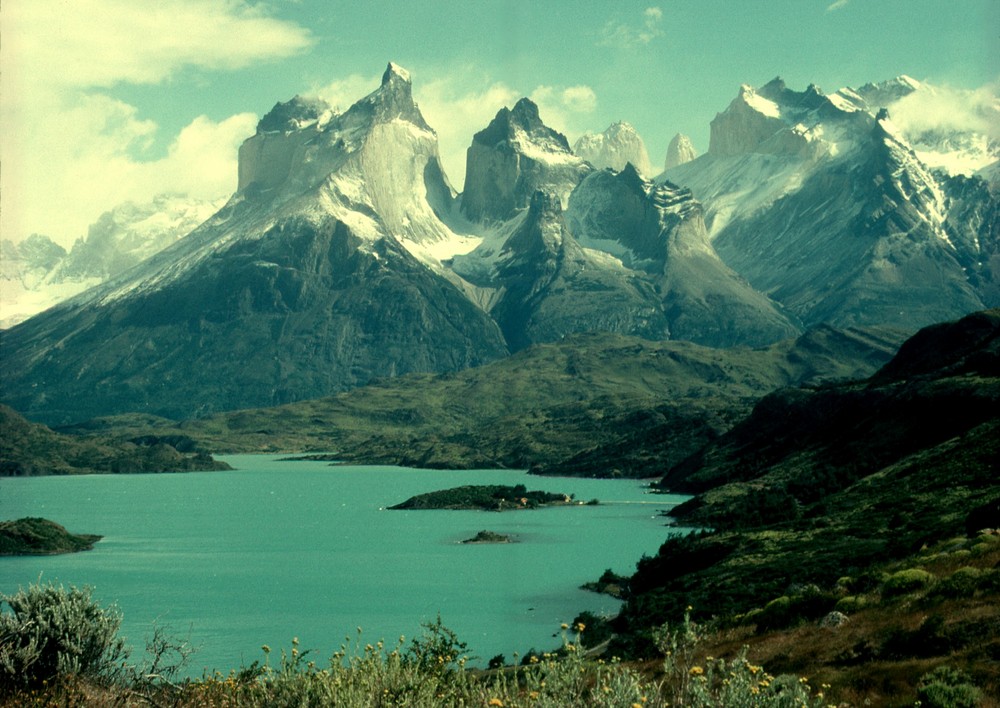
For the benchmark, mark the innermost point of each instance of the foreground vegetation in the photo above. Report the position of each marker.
(61, 648)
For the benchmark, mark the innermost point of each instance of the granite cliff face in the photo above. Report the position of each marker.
(512, 158)
(551, 286)
(616, 147)
(659, 230)
(679, 151)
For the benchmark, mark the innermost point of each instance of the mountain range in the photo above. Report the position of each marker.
(346, 255)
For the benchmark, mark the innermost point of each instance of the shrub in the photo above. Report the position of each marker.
(850, 603)
(906, 581)
(945, 687)
(53, 633)
(962, 583)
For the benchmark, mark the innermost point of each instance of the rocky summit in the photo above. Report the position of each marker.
(821, 202)
(346, 255)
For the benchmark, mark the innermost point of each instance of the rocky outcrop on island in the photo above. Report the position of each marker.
(488, 537)
(36, 536)
(485, 497)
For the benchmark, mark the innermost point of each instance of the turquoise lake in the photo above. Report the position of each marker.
(282, 549)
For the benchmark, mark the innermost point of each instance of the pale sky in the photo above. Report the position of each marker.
(107, 100)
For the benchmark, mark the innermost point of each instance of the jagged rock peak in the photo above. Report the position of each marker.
(515, 155)
(292, 115)
(618, 145)
(393, 99)
(520, 124)
(679, 151)
(394, 72)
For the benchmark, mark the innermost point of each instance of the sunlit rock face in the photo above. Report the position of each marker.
(512, 158)
(616, 147)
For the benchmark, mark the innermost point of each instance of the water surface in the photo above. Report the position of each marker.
(277, 549)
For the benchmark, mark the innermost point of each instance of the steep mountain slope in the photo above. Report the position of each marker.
(820, 485)
(659, 230)
(302, 285)
(820, 202)
(551, 286)
(800, 445)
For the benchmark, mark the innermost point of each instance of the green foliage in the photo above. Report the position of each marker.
(962, 583)
(946, 687)
(906, 581)
(438, 650)
(51, 633)
(718, 682)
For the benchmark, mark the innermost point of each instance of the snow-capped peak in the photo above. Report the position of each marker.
(617, 146)
(394, 70)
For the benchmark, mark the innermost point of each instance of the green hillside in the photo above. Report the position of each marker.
(539, 408)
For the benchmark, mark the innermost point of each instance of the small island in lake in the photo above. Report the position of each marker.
(485, 497)
(489, 537)
(35, 536)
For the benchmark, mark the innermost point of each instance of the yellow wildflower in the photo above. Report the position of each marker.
(696, 671)
(495, 702)
(580, 626)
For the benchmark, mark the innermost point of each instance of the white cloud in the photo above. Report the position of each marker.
(621, 34)
(80, 162)
(837, 5)
(341, 94)
(99, 43)
(949, 109)
(69, 149)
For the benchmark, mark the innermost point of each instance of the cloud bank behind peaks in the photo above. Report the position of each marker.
(71, 150)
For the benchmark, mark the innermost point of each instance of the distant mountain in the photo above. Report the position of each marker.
(659, 230)
(300, 286)
(515, 156)
(679, 151)
(37, 273)
(616, 147)
(346, 255)
(820, 201)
